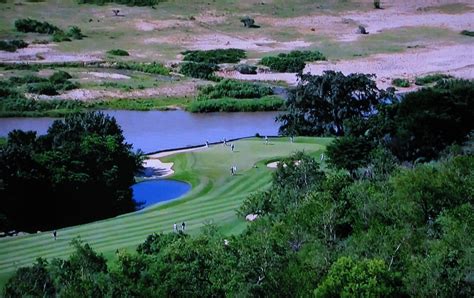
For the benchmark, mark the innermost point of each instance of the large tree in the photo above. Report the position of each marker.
(319, 105)
(80, 171)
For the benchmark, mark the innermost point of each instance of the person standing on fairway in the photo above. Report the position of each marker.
(55, 234)
(266, 140)
(175, 228)
(183, 226)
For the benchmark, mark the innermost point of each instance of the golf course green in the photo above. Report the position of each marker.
(214, 197)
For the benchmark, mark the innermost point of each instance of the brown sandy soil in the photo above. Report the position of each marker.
(176, 90)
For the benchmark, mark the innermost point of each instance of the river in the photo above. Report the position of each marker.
(160, 130)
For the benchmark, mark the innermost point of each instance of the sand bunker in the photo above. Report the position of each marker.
(106, 75)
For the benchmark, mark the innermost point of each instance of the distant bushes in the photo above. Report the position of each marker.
(403, 83)
(246, 69)
(31, 25)
(271, 103)
(57, 82)
(233, 89)
(429, 79)
(125, 2)
(12, 45)
(295, 61)
(215, 56)
(154, 67)
(199, 70)
(467, 33)
(118, 52)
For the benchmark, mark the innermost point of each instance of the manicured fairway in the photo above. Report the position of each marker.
(214, 198)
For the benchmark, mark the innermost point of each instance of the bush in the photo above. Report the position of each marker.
(429, 79)
(404, 83)
(246, 69)
(12, 45)
(270, 103)
(30, 25)
(59, 77)
(45, 88)
(199, 70)
(75, 32)
(154, 68)
(118, 52)
(60, 36)
(467, 33)
(291, 62)
(234, 89)
(28, 79)
(215, 56)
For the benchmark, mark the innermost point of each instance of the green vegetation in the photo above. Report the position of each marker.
(215, 56)
(314, 108)
(467, 33)
(56, 83)
(12, 45)
(153, 68)
(118, 52)
(125, 2)
(235, 96)
(86, 153)
(145, 104)
(267, 103)
(317, 232)
(234, 89)
(430, 79)
(294, 61)
(403, 83)
(31, 25)
(214, 197)
(199, 70)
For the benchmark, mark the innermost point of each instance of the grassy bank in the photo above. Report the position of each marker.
(214, 198)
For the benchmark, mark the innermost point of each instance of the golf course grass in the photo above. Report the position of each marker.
(215, 196)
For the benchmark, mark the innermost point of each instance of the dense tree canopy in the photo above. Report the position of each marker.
(319, 105)
(80, 171)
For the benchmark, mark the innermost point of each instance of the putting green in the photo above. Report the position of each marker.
(214, 198)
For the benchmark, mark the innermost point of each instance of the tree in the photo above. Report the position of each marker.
(319, 105)
(353, 278)
(81, 162)
(32, 281)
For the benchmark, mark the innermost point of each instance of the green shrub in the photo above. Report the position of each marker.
(30, 25)
(429, 79)
(59, 77)
(154, 68)
(118, 52)
(28, 79)
(233, 89)
(467, 33)
(60, 36)
(199, 70)
(271, 103)
(215, 56)
(7, 46)
(246, 69)
(75, 32)
(404, 83)
(295, 61)
(12, 45)
(44, 88)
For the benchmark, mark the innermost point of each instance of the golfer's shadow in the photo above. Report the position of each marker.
(236, 151)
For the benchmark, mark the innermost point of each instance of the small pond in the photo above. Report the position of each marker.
(155, 191)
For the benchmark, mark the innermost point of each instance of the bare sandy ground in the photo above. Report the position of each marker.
(106, 75)
(164, 169)
(46, 54)
(176, 90)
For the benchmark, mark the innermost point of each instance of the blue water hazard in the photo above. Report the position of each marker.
(151, 192)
